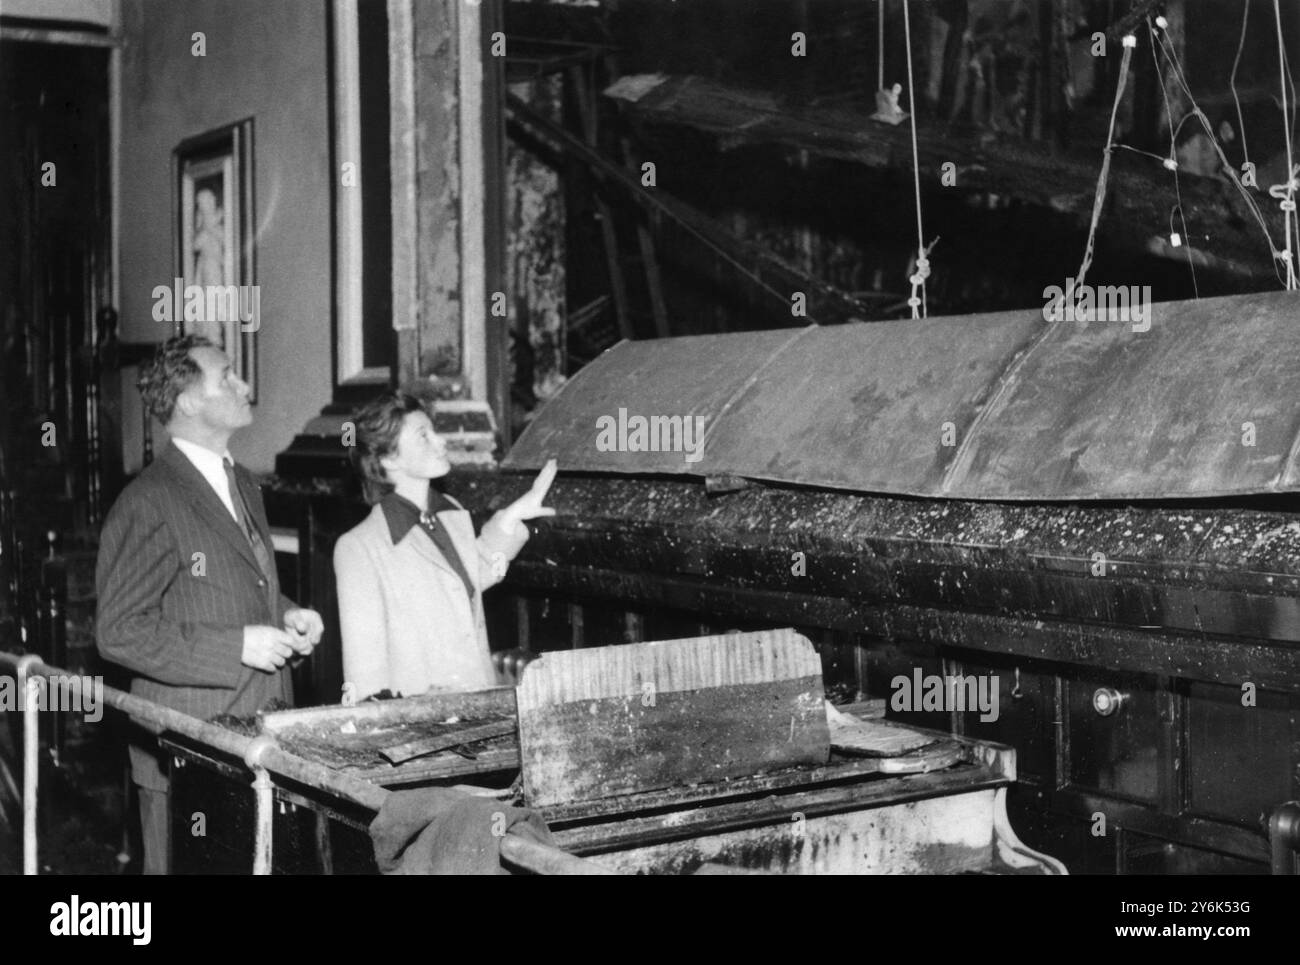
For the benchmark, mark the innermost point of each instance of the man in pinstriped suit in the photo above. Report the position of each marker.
(188, 596)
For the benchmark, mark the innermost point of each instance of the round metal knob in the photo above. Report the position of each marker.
(1107, 701)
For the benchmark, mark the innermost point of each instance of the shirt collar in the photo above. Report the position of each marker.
(204, 459)
(401, 514)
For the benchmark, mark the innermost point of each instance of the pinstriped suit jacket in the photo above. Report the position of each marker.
(177, 619)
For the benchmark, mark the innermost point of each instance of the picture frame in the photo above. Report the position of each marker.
(215, 242)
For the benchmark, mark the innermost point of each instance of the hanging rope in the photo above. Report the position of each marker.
(917, 301)
(1130, 43)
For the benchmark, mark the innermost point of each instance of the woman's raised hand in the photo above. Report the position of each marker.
(529, 505)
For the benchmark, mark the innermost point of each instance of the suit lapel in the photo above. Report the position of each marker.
(453, 521)
(208, 503)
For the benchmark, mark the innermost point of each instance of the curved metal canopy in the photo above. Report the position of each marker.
(1007, 406)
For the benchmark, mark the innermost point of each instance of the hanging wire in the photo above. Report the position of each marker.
(1162, 158)
(1129, 42)
(917, 301)
(1199, 114)
(1288, 205)
(1172, 161)
(1232, 80)
(1286, 63)
(1196, 291)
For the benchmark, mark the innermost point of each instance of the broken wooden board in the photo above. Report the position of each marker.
(873, 738)
(401, 753)
(616, 720)
(352, 739)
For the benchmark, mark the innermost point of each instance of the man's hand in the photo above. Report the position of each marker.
(305, 626)
(267, 648)
(529, 505)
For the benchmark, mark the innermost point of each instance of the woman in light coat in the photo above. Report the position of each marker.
(411, 575)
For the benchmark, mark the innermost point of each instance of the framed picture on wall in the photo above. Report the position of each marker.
(215, 265)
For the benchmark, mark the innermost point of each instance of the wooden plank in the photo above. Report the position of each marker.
(351, 739)
(469, 704)
(400, 753)
(615, 833)
(618, 720)
(872, 707)
(683, 796)
(491, 761)
(874, 738)
(941, 751)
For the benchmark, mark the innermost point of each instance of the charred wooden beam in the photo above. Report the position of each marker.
(1214, 660)
(1193, 608)
(594, 839)
(827, 304)
(1225, 234)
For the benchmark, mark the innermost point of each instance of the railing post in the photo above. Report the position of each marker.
(264, 801)
(28, 686)
(1284, 838)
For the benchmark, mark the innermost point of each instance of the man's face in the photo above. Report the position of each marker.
(220, 400)
(420, 451)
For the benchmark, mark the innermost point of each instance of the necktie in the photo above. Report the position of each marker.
(442, 539)
(263, 555)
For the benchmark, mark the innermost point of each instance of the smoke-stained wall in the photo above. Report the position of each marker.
(265, 59)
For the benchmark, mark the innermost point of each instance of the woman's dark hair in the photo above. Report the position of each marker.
(169, 373)
(379, 423)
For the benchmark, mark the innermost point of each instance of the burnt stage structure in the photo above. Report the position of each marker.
(1098, 513)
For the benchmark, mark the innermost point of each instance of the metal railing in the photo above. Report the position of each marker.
(1284, 838)
(263, 757)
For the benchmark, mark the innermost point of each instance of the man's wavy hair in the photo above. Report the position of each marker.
(169, 373)
(379, 423)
